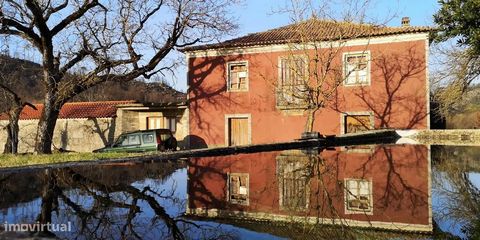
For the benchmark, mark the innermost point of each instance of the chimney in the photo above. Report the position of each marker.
(405, 22)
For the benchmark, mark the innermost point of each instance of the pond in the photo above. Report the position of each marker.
(361, 192)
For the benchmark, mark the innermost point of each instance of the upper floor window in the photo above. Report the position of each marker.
(294, 181)
(292, 82)
(237, 79)
(356, 68)
(292, 70)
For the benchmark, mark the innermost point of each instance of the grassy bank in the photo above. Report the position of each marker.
(10, 160)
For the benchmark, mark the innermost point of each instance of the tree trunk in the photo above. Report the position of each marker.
(46, 125)
(310, 120)
(11, 146)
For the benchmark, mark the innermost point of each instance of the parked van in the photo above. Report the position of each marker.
(143, 141)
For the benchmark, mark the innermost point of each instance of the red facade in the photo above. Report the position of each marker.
(288, 184)
(396, 96)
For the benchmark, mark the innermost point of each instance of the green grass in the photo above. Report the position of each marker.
(11, 160)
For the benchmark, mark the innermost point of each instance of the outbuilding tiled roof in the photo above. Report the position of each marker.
(105, 109)
(312, 30)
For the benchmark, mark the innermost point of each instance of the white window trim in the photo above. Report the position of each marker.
(348, 211)
(344, 68)
(344, 114)
(228, 64)
(246, 115)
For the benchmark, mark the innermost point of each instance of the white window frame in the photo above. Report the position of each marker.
(233, 63)
(370, 195)
(344, 69)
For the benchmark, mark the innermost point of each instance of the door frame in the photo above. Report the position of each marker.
(249, 120)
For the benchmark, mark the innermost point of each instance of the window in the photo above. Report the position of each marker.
(133, 139)
(162, 122)
(154, 122)
(148, 138)
(238, 188)
(358, 194)
(237, 79)
(291, 88)
(356, 69)
(294, 184)
(357, 123)
(171, 123)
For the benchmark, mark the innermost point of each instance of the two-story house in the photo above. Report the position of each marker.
(341, 77)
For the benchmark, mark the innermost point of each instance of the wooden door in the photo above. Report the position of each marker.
(237, 131)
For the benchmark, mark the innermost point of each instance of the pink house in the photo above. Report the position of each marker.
(246, 90)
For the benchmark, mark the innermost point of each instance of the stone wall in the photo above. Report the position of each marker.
(86, 135)
(79, 135)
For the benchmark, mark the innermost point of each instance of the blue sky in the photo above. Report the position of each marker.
(261, 15)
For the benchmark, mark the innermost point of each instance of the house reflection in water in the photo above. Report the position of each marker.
(385, 187)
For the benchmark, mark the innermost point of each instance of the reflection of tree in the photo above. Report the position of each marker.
(459, 198)
(105, 204)
(308, 189)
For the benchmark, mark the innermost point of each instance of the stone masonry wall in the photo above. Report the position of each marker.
(79, 135)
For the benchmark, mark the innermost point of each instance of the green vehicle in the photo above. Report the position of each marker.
(143, 141)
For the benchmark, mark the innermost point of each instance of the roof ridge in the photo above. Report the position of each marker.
(315, 29)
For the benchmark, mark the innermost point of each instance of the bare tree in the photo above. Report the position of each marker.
(457, 70)
(86, 42)
(312, 71)
(12, 97)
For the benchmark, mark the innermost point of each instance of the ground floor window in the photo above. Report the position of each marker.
(162, 122)
(353, 123)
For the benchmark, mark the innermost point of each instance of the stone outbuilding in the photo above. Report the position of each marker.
(85, 126)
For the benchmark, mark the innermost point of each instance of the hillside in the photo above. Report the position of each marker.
(24, 77)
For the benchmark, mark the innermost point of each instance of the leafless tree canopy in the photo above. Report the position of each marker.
(93, 41)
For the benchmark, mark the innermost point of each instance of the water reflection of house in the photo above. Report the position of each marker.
(387, 188)
(85, 126)
(245, 90)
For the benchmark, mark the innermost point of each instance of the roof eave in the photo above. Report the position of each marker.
(266, 43)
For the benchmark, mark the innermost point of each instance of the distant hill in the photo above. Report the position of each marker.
(25, 76)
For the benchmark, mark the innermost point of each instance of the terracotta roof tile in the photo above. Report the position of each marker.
(311, 30)
(104, 109)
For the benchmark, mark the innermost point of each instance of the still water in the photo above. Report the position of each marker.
(362, 192)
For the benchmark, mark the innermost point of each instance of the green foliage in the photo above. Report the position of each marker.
(459, 18)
